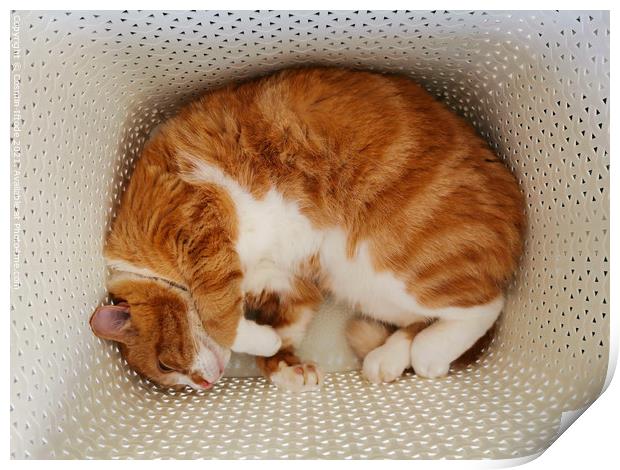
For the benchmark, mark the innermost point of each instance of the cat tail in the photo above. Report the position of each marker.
(365, 334)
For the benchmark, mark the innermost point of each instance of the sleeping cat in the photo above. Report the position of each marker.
(264, 195)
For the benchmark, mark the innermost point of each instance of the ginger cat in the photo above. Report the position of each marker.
(269, 193)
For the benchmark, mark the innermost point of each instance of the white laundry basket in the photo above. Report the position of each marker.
(88, 88)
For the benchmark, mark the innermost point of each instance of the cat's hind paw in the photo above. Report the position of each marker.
(386, 363)
(297, 378)
(427, 358)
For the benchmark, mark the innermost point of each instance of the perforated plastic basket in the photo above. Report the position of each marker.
(92, 85)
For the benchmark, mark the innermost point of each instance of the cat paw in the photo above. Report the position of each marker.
(298, 378)
(270, 344)
(255, 339)
(386, 363)
(427, 359)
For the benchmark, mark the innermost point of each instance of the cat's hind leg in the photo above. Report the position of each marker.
(388, 361)
(454, 332)
(365, 334)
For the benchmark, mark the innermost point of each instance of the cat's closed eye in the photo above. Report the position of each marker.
(164, 368)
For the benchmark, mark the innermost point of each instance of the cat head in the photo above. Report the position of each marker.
(159, 333)
(170, 248)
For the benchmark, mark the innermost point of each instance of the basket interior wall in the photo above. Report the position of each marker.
(93, 84)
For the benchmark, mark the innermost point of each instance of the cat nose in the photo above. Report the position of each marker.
(200, 381)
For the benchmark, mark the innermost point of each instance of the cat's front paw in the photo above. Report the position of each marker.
(297, 378)
(386, 363)
(427, 358)
(255, 339)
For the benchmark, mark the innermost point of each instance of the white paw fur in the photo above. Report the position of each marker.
(255, 339)
(436, 347)
(388, 362)
(298, 378)
(428, 357)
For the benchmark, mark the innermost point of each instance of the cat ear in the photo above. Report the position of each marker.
(112, 322)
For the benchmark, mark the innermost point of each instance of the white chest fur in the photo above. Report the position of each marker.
(274, 238)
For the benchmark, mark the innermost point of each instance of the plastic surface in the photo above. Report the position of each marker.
(93, 84)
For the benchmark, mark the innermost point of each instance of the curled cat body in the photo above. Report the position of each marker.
(267, 194)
